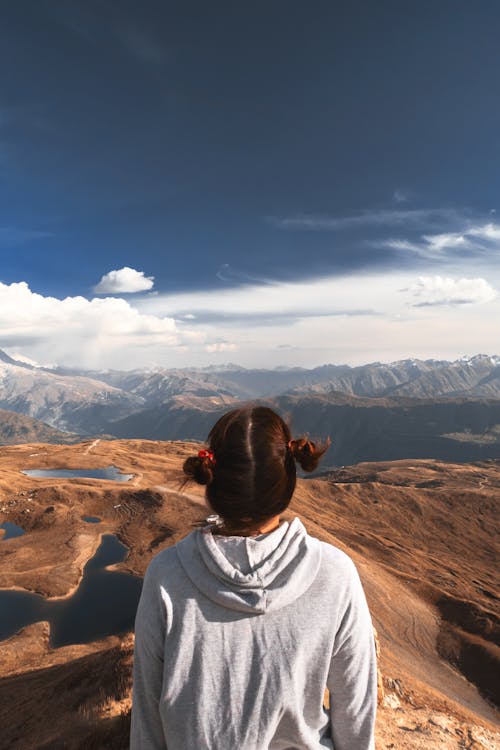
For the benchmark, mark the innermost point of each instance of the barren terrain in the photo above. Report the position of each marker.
(422, 533)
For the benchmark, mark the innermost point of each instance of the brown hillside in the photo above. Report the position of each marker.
(422, 534)
(18, 428)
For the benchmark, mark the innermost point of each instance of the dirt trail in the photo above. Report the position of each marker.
(91, 446)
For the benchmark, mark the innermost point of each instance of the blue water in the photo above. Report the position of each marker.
(104, 603)
(110, 472)
(11, 530)
(91, 519)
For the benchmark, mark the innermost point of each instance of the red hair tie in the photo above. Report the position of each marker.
(207, 454)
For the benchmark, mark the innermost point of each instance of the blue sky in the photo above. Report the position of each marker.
(267, 183)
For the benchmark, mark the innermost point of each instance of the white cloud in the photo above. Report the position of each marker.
(439, 242)
(439, 290)
(477, 240)
(124, 281)
(488, 231)
(220, 346)
(80, 332)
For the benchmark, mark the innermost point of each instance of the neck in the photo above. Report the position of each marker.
(270, 525)
(263, 527)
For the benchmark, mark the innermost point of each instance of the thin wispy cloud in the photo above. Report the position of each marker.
(228, 274)
(15, 236)
(480, 240)
(440, 242)
(401, 196)
(279, 301)
(414, 218)
(432, 291)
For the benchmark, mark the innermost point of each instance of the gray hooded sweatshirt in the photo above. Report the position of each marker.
(236, 639)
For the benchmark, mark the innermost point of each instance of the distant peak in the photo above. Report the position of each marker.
(492, 359)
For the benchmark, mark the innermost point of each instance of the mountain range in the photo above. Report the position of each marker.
(411, 408)
(477, 376)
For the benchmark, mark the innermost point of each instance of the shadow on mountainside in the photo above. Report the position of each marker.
(84, 703)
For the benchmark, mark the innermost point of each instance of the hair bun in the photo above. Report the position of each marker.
(307, 453)
(200, 467)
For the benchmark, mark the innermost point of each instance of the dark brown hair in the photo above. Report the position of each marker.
(249, 467)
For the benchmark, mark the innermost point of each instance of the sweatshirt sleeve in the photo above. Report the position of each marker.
(352, 679)
(146, 732)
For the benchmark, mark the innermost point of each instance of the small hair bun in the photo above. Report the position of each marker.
(307, 453)
(200, 467)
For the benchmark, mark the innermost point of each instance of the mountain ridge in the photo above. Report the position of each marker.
(464, 376)
(361, 429)
(164, 404)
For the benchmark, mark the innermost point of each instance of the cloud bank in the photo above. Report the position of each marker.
(329, 296)
(76, 331)
(351, 319)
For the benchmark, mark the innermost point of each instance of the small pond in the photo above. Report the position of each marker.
(104, 603)
(109, 472)
(11, 530)
(91, 519)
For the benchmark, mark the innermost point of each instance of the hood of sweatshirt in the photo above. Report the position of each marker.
(253, 575)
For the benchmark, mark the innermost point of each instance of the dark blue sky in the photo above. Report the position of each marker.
(169, 137)
(272, 182)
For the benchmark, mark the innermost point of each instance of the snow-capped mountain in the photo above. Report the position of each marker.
(91, 401)
(74, 403)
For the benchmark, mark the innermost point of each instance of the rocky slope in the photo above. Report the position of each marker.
(72, 403)
(422, 534)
